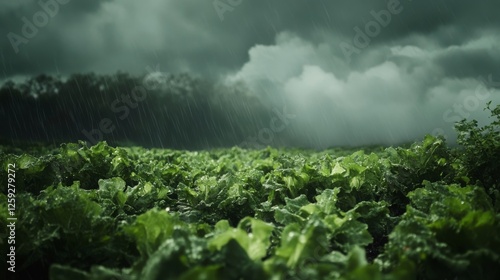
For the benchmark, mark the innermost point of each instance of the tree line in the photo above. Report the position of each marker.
(167, 110)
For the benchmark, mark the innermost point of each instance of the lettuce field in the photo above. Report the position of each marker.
(425, 211)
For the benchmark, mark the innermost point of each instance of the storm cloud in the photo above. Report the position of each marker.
(353, 72)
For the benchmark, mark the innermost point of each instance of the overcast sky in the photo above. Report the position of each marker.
(352, 72)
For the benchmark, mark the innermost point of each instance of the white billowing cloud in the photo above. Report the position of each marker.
(372, 106)
(277, 63)
(387, 103)
(316, 81)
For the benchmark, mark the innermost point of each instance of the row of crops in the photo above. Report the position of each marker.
(100, 212)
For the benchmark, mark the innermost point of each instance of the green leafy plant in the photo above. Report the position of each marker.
(481, 153)
(426, 211)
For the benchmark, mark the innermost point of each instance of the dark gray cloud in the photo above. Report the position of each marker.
(418, 64)
(106, 36)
